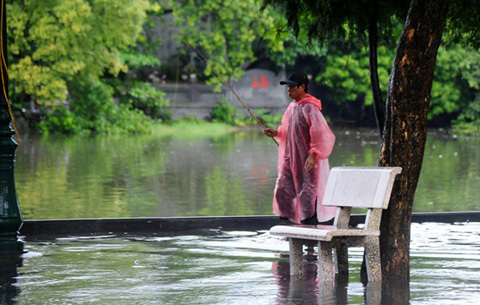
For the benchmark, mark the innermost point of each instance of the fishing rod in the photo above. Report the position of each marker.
(225, 83)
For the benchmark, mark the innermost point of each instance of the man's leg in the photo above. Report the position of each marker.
(311, 220)
(285, 194)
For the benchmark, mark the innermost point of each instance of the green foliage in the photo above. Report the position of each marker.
(456, 87)
(78, 50)
(341, 20)
(53, 42)
(134, 90)
(347, 74)
(351, 22)
(58, 45)
(228, 33)
(92, 110)
(271, 120)
(221, 29)
(470, 115)
(136, 59)
(287, 46)
(224, 112)
(466, 128)
(62, 120)
(468, 120)
(189, 118)
(454, 90)
(145, 97)
(446, 88)
(462, 23)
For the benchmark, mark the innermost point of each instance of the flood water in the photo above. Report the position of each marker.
(231, 174)
(226, 268)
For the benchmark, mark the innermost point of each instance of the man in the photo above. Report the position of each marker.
(305, 143)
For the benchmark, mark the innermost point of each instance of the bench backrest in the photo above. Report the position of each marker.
(360, 187)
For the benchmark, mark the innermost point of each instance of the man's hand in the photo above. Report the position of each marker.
(310, 163)
(270, 132)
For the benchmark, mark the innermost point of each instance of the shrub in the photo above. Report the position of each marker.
(224, 112)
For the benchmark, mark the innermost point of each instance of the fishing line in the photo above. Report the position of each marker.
(225, 83)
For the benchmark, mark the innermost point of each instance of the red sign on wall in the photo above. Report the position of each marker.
(262, 84)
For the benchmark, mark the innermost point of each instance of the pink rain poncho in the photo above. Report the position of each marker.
(303, 131)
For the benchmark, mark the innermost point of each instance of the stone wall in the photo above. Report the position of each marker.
(258, 88)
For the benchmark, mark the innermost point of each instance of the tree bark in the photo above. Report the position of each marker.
(378, 103)
(405, 130)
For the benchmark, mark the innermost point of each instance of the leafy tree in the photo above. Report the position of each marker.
(93, 109)
(453, 90)
(404, 137)
(447, 86)
(365, 23)
(408, 99)
(347, 74)
(59, 49)
(53, 42)
(469, 72)
(229, 35)
(136, 87)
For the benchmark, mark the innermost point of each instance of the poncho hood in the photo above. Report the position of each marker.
(312, 100)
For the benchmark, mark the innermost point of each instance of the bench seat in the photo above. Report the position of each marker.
(347, 187)
(324, 233)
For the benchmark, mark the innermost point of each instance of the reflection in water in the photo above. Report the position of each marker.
(295, 290)
(233, 174)
(309, 289)
(394, 291)
(145, 176)
(9, 290)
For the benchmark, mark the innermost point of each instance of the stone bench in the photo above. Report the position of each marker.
(347, 187)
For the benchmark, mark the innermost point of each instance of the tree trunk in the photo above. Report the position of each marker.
(405, 130)
(378, 104)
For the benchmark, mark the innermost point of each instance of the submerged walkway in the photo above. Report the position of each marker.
(234, 268)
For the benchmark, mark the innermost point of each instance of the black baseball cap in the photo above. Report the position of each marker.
(295, 79)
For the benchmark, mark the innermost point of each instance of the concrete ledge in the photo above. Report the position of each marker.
(183, 225)
(447, 217)
(153, 225)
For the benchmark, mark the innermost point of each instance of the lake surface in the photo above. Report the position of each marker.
(225, 268)
(230, 174)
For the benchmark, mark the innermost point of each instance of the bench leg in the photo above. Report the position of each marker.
(341, 262)
(372, 259)
(325, 261)
(374, 293)
(309, 245)
(296, 256)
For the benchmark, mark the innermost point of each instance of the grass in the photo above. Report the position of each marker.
(466, 128)
(193, 129)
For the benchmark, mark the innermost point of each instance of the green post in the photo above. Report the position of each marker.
(10, 217)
